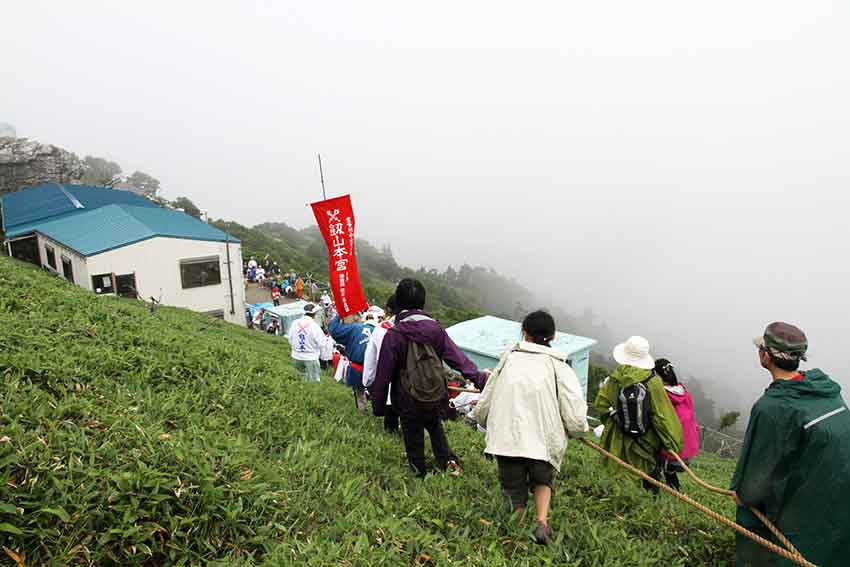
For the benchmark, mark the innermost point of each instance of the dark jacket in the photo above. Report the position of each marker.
(415, 325)
(795, 467)
(354, 337)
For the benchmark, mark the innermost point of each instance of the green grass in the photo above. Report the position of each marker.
(128, 438)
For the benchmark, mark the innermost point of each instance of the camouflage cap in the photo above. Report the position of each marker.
(784, 340)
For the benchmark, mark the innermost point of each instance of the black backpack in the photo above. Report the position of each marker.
(633, 410)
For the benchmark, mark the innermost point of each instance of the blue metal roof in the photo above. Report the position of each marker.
(26, 228)
(94, 197)
(91, 232)
(491, 336)
(51, 200)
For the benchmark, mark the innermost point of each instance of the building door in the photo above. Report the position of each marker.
(26, 249)
(67, 269)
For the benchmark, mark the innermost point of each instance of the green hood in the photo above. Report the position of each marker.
(628, 375)
(666, 430)
(816, 384)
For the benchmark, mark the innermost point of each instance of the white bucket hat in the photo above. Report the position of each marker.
(311, 309)
(634, 352)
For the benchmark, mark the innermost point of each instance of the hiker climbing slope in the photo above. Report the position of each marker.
(638, 417)
(530, 402)
(354, 335)
(307, 339)
(684, 406)
(795, 462)
(370, 362)
(415, 329)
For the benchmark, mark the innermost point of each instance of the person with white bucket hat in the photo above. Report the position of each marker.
(638, 417)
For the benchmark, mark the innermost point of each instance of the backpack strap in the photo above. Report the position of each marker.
(637, 439)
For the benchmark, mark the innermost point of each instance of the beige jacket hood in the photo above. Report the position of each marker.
(530, 403)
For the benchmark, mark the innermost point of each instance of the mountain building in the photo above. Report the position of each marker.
(116, 242)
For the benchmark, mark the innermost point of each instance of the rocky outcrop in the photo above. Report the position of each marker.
(27, 162)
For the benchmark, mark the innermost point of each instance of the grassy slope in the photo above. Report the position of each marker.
(131, 438)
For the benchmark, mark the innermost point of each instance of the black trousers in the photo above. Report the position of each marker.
(519, 476)
(413, 430)
(648, 486)
(390, 420)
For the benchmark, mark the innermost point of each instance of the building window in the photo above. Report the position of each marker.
(199, 272)
(50, 254)
(67, 269)
(102, 284)
(126, 285)
(26, 250)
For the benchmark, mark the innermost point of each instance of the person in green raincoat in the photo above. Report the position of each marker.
(636, 365)
(795, 462)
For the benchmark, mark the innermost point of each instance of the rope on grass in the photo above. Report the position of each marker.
(717, 490)
(795, 557)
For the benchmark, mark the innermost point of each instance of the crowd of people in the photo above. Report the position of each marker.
(795, 458)
(267, 274)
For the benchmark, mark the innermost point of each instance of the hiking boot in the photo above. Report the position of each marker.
(542, 534)
(453, 468)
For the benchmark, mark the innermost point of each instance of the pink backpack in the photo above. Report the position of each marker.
(684, 406)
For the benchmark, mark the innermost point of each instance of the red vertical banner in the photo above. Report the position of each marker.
(336, 222)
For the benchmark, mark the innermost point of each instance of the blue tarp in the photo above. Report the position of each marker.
(484, 340)
(286, 314)
(254, 307)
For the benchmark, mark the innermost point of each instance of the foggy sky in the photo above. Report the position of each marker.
(681, 169)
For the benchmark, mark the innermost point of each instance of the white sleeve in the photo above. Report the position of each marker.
(571, 402)
(482, 409)
(318, 336)
(370, 362)
(328, 349)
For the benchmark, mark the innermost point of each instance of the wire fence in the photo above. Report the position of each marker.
(719, 443)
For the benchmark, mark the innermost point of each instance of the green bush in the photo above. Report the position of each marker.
(131, 438)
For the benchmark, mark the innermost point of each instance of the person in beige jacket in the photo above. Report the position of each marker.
(530, 402)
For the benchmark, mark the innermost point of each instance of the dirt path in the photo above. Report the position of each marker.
(254, 294)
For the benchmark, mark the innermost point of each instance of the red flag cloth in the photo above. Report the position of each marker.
(336, 222)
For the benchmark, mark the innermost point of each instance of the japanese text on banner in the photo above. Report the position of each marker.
(336, 223)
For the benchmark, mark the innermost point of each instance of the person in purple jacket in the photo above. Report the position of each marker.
(412, 324)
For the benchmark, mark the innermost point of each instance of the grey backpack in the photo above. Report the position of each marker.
(633, 410)
(423, 375)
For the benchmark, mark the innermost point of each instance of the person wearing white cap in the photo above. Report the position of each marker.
(633, 406)
(307, 339)
(384, 322)
(373, 315)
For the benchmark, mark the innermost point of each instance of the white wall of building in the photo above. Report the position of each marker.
(78, 263)
(156, 264)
